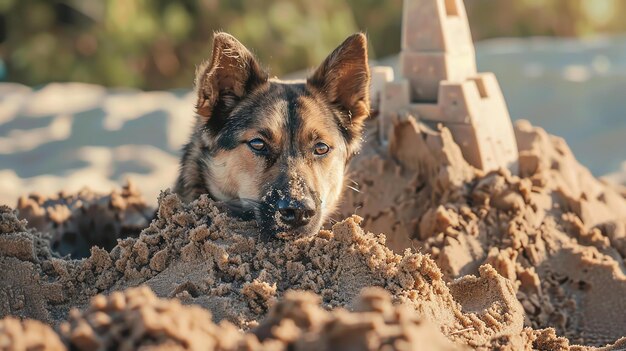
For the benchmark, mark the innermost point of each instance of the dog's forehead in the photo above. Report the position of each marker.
(283, 106)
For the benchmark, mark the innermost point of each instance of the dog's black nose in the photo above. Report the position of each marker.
(295, 213)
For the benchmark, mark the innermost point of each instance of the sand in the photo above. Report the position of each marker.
(468, 260)
(200, 256)
(555, 231)
(78, 221)
(98, 138)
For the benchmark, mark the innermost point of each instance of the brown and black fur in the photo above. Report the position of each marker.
(288, 187)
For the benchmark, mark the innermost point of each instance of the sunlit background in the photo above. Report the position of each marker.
(155, 44)
(561, 64)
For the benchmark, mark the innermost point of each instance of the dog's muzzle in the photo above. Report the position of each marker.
(283, 215)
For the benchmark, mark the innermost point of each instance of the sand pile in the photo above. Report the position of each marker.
(199, 255)
(545, 250)
(137, 319)
(28, 335)
(555, 231)
(76, 222)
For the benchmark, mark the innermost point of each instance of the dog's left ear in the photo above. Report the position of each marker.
(344, 78)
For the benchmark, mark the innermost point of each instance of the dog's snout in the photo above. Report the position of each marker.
(295, 213)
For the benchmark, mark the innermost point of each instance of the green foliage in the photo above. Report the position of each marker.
(156, 44)
(563, 18)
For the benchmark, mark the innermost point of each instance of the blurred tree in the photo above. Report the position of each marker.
(382, 21)
(564, 18)
(156, 44)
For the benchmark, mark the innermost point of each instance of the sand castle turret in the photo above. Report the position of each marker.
(438, 84)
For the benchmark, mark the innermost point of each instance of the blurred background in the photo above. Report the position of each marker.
(155, 44)
(561, 64)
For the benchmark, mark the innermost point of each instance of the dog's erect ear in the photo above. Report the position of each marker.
(344, 78)
(231, 73)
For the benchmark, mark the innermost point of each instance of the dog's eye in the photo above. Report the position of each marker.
(257, 145)
(321, 149)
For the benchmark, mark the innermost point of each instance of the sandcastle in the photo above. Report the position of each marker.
(438, 84)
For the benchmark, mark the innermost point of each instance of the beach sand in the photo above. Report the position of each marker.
(466, 259)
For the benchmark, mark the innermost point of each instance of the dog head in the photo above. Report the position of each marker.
(279, 149)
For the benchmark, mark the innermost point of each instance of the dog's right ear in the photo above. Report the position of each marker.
(232, 73)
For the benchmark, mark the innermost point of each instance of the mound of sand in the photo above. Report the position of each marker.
(76, 222)
(487, 259)
(555, 231)
(28, 335)
(198, 254)
(137, 319)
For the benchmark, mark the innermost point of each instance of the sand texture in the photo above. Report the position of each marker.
(137, 319)
(468, 260)
(555, 231)
(78, 221)
(195, 253)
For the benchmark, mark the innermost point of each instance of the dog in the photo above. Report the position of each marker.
(275, 150)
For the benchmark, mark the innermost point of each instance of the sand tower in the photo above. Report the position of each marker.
(438, 84)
